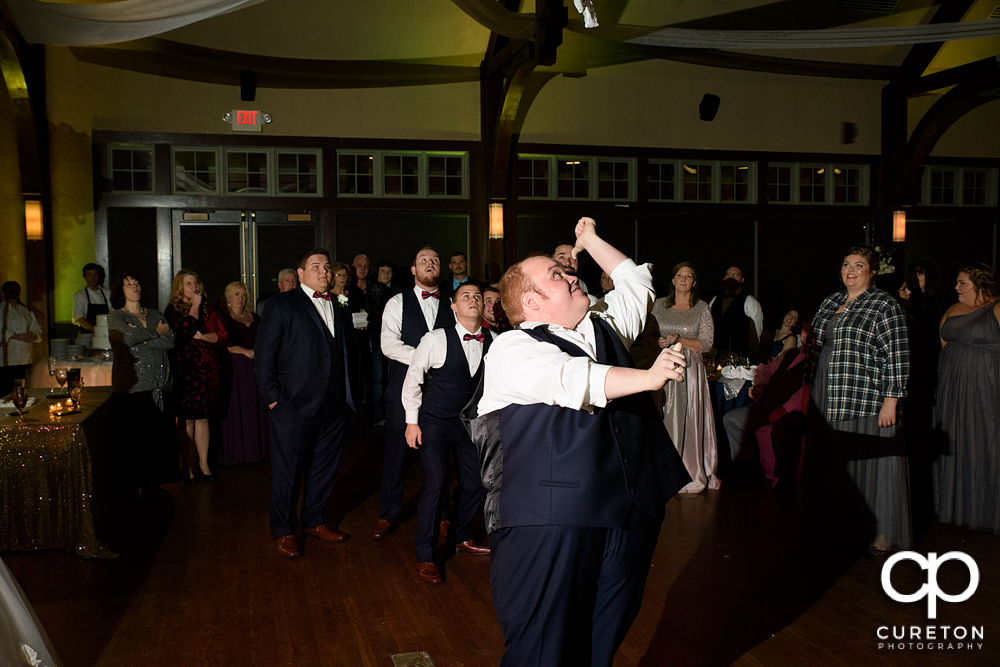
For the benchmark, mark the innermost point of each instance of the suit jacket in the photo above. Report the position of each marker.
(293, 354)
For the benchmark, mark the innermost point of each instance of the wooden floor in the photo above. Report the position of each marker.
(732, 582)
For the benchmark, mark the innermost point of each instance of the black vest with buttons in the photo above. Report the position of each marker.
(413, 328)
(446, 390)
(549, 465)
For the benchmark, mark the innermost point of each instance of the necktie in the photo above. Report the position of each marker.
(425, 294)
(480, 337)
(317, 295)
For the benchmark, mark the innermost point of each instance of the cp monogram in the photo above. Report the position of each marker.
(930, 590)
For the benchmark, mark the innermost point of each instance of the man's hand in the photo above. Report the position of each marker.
(162, 328)
(414, 437)
(755, 393)
(585, 229)
(669, 365)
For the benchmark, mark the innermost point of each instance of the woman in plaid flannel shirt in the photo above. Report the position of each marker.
(858, 370)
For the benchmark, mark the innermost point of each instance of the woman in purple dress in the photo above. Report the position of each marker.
(199, 330)
(244, 427)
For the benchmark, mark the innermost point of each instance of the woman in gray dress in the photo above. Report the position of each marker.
(966, 491)
(858, 370)
(141, 384)
(683, 317)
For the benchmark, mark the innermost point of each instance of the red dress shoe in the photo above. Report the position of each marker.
(444, 528)
(429, 573)
(382, 529)
(287, 546)
(470, 547)
(325, 533)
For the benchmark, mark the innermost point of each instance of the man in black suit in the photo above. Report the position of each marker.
(304, 358)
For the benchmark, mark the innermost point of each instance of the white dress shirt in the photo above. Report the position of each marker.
(432, 353)
(522, 371)
(102, 296)
(19, 320)
(752, 309)
(323, 307)
(392, 324)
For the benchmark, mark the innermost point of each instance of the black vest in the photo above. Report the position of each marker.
(413, 328)
(549, 465)
(731, 327)
(447, 390)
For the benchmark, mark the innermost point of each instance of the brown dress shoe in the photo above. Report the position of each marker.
(470, 547)
(325, 533)
(429, 573)
(382, 529)
(444, 528)
(287, 546)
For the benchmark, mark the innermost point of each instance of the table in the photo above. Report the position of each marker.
(720, 406)
(46, 477)
(95, 372)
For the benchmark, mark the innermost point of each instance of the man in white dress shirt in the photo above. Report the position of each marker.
(19, 331)
(739, 320)
(406, 318)
(576, 461)
(444, 372)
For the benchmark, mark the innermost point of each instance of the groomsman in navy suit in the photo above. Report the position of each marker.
(304, 358)
(406, 318)
(444, 372)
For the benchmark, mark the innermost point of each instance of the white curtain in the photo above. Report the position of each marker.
(110, 23)
(831, 38)
(494, 16)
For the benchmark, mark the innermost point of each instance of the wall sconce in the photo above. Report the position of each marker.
(496, 220)
(33, 219)
(899, 226)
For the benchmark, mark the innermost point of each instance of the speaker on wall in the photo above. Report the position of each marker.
(709, 106)
(248, 85)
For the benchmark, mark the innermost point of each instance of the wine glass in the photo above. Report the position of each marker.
(19, 397)
(52, 373)
(61, 378)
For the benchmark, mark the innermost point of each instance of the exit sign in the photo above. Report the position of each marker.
(247, 120)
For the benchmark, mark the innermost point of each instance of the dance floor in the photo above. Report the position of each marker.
(733, 581)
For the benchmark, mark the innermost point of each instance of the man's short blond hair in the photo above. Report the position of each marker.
(515, 283)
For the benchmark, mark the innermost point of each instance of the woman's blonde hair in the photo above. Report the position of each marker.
(231, 290)
(177, 288)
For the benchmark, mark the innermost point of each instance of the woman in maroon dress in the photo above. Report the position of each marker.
(245, 427)
(199, 330)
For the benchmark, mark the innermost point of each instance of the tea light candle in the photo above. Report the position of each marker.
(69, 404)
(55, 408)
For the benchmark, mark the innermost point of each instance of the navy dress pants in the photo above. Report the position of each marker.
(304, 450)
(390, 499)
(567, 596)
(440, 438)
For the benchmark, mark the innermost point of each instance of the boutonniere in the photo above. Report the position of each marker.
(342, 301)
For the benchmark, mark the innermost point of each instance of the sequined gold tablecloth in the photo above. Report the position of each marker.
(46, 495)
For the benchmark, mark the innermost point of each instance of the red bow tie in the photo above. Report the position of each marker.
(317, 295)
(480, 337)
(425, 294)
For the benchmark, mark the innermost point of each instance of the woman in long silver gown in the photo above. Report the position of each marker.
(687, 409)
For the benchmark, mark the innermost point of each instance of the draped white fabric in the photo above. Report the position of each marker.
(22, 639)
(494, 16)
(110, 23)
(832, 38)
